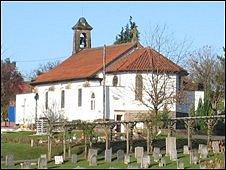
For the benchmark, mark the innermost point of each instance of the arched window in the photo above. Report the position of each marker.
(82, 40)
(139, 87)
(62, 99)
(115, 80)
(46, 104)
(93, 101)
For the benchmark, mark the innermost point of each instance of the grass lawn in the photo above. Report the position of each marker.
(23, 151)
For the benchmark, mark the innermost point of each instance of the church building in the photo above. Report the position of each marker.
(109, 82)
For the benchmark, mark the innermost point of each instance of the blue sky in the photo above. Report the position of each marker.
(34, 33)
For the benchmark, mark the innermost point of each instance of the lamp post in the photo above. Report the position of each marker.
(36, 99)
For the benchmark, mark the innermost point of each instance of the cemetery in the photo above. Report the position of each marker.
(75, 145)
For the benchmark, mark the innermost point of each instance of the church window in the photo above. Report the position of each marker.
(93, 101)
(62, 98)
(139, 87)
(46, 104)
(115, 80)
(79, 97)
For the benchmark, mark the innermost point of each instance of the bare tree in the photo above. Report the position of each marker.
(207, 69)
(53, 115)
(163, 41)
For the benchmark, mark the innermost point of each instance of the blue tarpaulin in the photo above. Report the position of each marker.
(11, 113)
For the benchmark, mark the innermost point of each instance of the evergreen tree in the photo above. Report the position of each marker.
(126, 34)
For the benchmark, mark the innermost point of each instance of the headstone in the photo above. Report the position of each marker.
(32, 142)
(170, 145)
(43, 156)
(145, 162)
(162, 162)
(185, 150)
(156, 154)
(215, 146)
(9, 160)
(120, 155)
(91, 152)
(58, 160)
(204, 152)
(180, 164)
(74, 158)
(108, 155)
(139, 152)
(194, 157)
(42, 163)
(93, 160)
(173, 156)
(26, 165)
(127, 159)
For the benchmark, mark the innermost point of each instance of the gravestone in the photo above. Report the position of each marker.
(204, 152)
(58, 160)
(26, 165)
(145, 162)
(180, 164)
(93, 160)
(156, 154)
(162, 162)
(9, 160)
(170, 145)
(43, 156)
(120, 155)
(91, 152)
(108, 155)
(194, 158)
(173, 156)
(127, 159)
(139, 152)
(74, 158)
(185, 150)
(215, 146)
(42, 163)
(32, 142)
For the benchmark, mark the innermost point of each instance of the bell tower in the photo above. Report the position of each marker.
(82, 35)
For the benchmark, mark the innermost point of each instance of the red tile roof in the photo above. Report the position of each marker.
(145, 59)
(119, 58)
(83, 64)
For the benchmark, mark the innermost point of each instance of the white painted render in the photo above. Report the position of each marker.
(119, 99)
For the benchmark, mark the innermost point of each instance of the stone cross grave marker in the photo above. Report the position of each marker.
(194, 157)
(120, 155)
(58, 159)
(215, 146)
(145, 162)
(74, 158)
(91, 152)
(156, 154)
(162, 162)
(127, 159)
(9, 160)
(185, 150)
(42, 163)
(93, 160)
(139, 152)
(108, 155)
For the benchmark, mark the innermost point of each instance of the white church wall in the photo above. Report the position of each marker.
(25, 108)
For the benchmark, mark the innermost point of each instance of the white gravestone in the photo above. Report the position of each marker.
(58, 160)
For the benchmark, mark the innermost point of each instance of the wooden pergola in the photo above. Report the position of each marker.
(108, 127)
